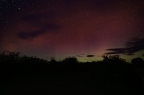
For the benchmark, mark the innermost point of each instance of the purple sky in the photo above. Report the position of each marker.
(86, 29)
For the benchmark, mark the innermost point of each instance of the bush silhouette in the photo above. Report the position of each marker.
(137, 61)
(70, 63)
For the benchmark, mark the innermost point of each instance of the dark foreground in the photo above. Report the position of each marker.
(97, 78)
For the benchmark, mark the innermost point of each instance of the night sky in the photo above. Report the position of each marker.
(86, 29)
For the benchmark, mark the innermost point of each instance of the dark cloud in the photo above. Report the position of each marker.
(83, 55)
(135, 45)
(90, 55)
(32, 34)
(40, 20)
(27, 35)
(130, 48)
(116, 50)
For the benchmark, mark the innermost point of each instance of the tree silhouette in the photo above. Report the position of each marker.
(105, 75)
(70, 63)
(113, 58)
(70, 60)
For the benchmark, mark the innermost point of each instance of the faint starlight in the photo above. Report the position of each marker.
(19, 8)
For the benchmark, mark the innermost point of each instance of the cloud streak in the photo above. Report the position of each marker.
(131, 47)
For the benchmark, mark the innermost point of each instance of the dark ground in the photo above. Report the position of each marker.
(58, 78)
